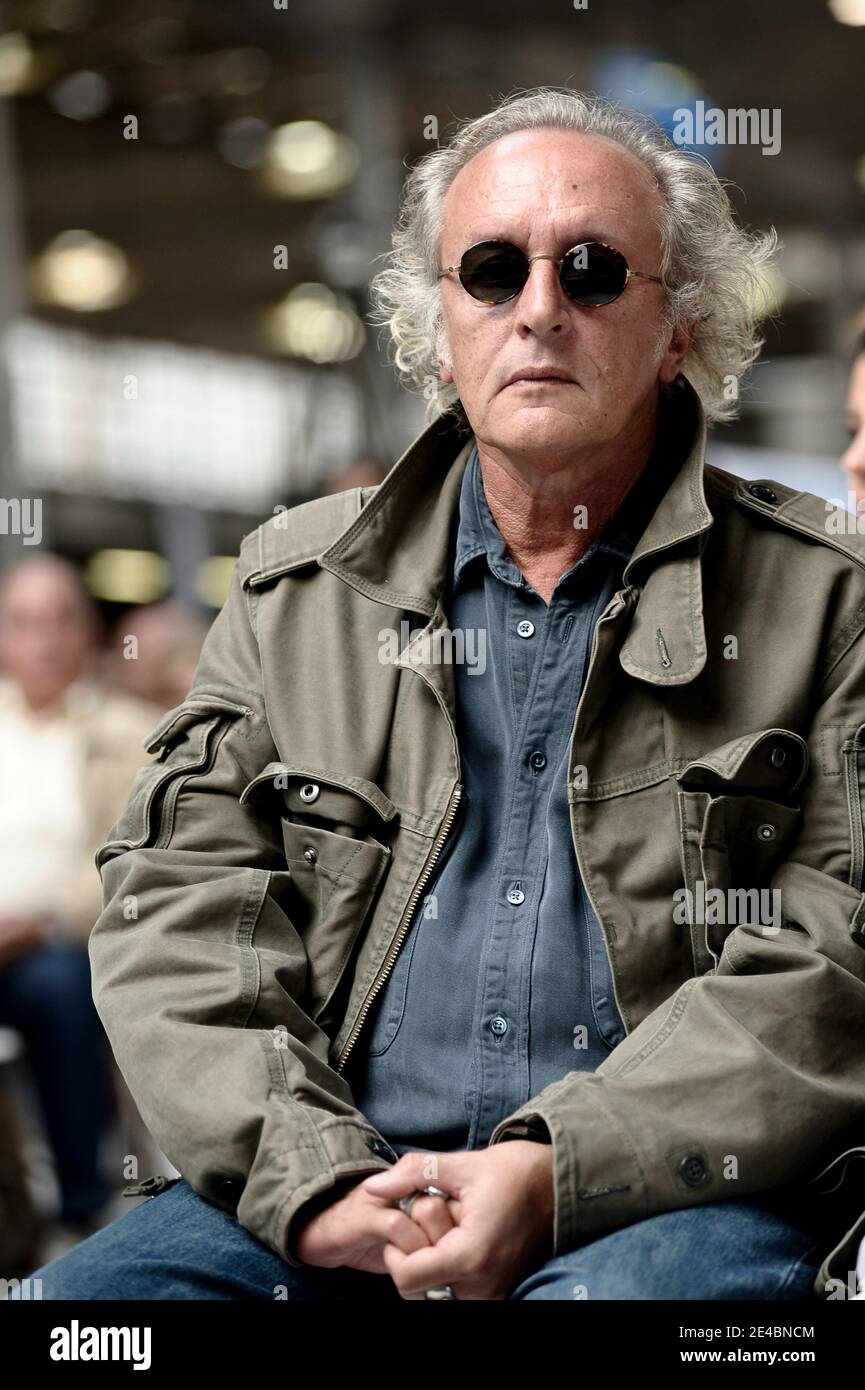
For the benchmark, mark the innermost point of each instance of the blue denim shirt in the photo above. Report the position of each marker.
(503, 982)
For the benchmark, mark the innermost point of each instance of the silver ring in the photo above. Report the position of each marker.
(440, 1291)
(406, 1203)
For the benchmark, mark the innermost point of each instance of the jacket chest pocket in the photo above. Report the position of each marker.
(185, 741)
(737, 824)
(332, 830)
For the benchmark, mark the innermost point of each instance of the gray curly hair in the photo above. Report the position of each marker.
(714, 270)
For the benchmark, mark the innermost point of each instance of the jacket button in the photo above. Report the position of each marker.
(310, 854)
(380, 1147)
(779, 756)
(763, 493)
(230, 1190)
(765, 832)
(693, 1170)
(309, 791)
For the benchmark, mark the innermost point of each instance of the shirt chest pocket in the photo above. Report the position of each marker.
(738, 819)
(334, 830)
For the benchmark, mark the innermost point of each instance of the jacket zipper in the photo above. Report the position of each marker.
(434, 853)
(605, 617)
(854, 812)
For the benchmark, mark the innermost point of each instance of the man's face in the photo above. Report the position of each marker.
(44, 633)
(546, 191)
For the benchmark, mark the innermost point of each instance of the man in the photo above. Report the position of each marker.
(70, 748)
(474, 824)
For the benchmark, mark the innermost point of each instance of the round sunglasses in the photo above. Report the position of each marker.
(592, 273)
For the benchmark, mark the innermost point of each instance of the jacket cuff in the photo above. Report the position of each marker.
(326, 1148)
(598, 1176)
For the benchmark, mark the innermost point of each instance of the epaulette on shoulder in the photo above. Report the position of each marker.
(805, 513)
(296, 536)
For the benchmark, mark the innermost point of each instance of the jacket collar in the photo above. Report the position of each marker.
(397, 549)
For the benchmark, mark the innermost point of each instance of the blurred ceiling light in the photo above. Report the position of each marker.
(18, 67)
(241, 70)
(314, 323)
(666, 84)
(82, 96)
(66, 14)
(128, 576)
(307, 159)
(213, 578)
(848, 11)
(241, 142)
(80, 271)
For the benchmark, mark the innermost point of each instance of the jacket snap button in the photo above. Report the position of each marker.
(230, 1190)
(381, 1147)
(763, 493)
(766, 832)
(779, 756)
(310, 854)
(309, 791)
(693, 1170)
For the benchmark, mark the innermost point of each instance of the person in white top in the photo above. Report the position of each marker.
(69, 748)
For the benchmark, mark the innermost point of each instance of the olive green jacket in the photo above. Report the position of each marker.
(262, 877)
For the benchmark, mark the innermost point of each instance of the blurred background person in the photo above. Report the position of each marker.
(70, 749)
(853, 461)
(168, 636)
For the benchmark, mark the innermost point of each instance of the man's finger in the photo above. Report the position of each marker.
(393, 1226)
(433, 1215)
(410, 1174)
(443, 1263)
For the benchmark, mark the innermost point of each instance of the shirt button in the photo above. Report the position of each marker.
(516, 896)
(538, 760)
(499, 1025)
(525, 628)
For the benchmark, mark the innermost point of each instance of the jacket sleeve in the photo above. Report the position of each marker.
(753, 1075)
(199, 973)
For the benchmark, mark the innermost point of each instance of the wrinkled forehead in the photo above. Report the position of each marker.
(555, 180)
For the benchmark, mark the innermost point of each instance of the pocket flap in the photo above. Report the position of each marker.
(771, 760)
(191, 711)
(312, 792)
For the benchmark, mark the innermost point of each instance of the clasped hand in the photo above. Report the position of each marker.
(494, 1228)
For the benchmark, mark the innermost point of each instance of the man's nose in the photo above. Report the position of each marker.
(541, 305)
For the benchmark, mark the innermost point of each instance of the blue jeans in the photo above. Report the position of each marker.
(46, 996)
(177, 1245)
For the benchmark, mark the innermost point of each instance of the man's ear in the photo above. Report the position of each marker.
(443, 356)
(676, 350)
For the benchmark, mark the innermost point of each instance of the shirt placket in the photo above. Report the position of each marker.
(540, 666)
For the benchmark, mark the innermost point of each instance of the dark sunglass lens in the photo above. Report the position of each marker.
(594, 274)
(493, 271)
